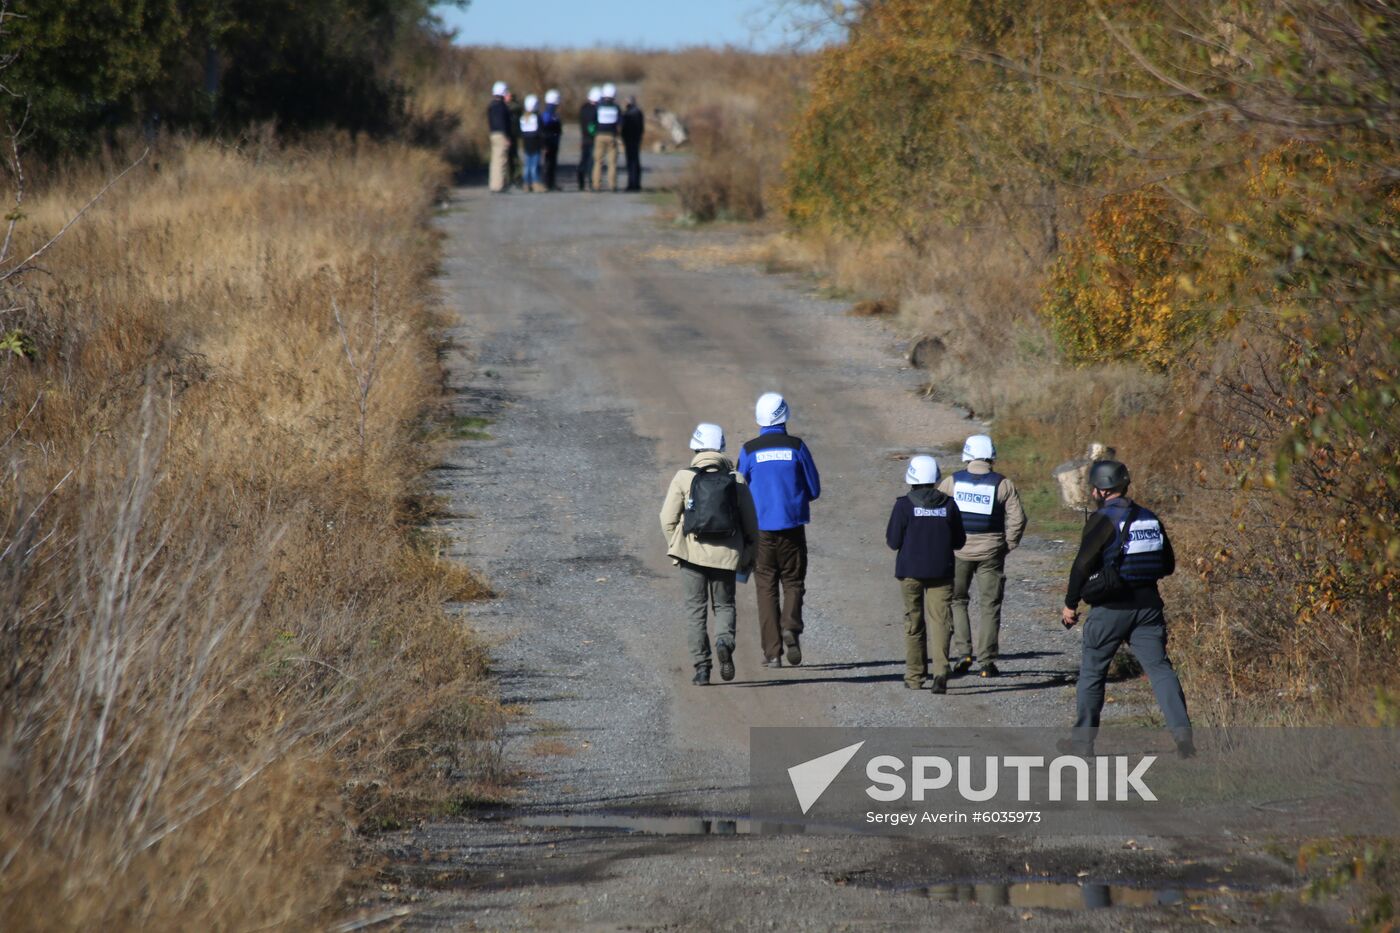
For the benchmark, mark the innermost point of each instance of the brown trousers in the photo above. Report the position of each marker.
(781, 563)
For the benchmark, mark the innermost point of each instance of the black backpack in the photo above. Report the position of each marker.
(712, 510)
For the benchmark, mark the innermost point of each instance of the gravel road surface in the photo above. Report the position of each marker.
(592, 353)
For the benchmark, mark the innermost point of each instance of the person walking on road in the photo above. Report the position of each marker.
(498, 121)
(633, 126)
(994, 521)
(531, 142)
(926, 528)
(1123, 553)
(605, 142)
(710, 527)
(783, 478)
(551, 131)
(588, 130)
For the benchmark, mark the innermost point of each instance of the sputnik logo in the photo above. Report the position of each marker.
(811, 778)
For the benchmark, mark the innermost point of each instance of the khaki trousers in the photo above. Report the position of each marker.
(988, 577)
(500, 149)
(928, 621)
(604, 161)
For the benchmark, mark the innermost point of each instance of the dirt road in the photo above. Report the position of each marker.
(588, 352)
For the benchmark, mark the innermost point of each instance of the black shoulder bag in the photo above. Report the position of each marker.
(1107, 584)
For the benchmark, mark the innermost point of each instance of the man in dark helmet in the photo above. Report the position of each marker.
(1124, 552)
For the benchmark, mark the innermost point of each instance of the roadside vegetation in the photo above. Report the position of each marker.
(1170, 228)
(227, 647)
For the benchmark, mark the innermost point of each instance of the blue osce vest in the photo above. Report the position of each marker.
(976, 496)
(1144, 544)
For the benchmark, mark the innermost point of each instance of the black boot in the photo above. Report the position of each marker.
(726, 660)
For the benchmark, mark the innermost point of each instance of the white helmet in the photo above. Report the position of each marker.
(923, 470)
(610, 90)
(707, 437)
(979, 447)
(531, 102)
(595, 94)
(499, 89)
(551, 96)
(771, 409)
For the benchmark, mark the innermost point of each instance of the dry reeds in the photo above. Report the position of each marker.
(219, 628)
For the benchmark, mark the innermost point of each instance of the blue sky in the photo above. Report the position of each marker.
(641, 23)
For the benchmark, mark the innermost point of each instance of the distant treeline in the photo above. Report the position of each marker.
(77, 69)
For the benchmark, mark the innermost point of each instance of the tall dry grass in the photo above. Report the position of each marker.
(225, 642)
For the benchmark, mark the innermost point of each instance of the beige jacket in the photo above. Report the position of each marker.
(731, 554)
(989, 544)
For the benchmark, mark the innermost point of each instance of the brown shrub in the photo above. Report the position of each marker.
(214, 619)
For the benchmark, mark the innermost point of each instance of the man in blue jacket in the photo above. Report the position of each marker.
(782, 477)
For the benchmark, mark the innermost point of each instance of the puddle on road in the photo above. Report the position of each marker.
(1072, 895)
(658, 825)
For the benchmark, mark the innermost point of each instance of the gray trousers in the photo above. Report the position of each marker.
(703, 589)
(1145, 631)
(989, 577)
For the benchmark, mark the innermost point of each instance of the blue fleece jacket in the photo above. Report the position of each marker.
(782, 477)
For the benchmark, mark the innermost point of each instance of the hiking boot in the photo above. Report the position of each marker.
(940, 684)
(794, 650)
(963, 665)
(726, 660)
(1185, 748)
(702, 677)
(773, 663)
(988, 670)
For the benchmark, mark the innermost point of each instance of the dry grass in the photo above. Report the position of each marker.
(225, 643)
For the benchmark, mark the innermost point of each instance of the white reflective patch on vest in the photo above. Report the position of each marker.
(1144, 537)
(920, 512)
(975, 498)
(607, 116)
(763, 456)
(529, 123)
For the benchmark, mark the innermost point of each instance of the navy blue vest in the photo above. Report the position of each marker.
(976, 496)
(1144, 544)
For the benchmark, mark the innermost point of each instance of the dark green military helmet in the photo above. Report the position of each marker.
(1108, 474)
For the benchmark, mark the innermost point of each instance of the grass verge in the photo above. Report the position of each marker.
(225, 643)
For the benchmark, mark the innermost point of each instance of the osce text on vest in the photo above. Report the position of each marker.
(1111, 779)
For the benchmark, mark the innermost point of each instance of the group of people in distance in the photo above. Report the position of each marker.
(605, 126)
(723, 521)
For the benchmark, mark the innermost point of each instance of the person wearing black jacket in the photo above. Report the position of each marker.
(517, 110)
(1126, 536)
(633, 126)
(925, 527)
(608, 118)
(587, 128)
(498, 120)
(551, 130)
